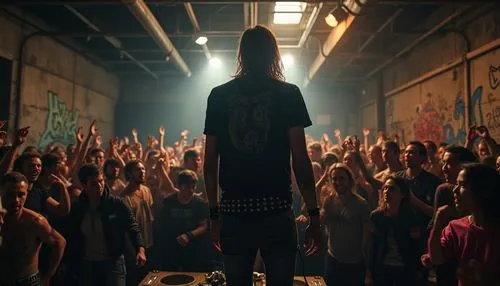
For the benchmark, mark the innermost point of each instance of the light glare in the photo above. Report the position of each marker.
(215, 62)
(288, 61)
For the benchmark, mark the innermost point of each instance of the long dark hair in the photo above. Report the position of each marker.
(483, 182)
(258, 54)
(405, 205)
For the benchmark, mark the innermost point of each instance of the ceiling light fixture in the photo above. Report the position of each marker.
(336, 16)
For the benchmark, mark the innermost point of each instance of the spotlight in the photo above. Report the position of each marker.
(288, 61)
(200, 39)
(215, 62)
(336, 15)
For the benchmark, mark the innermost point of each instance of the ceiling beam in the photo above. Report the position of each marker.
(363, 55)
(419, 40)
(170, 2)
(145, 16)
(327, 47)
(196, 26)
(111, 40)
(370, 40)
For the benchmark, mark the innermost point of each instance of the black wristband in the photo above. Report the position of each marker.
(214, 213)
(313, 212)
(190, 235)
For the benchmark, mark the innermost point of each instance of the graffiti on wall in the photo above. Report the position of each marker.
(61, 122)
(441, 116)
(494, 77)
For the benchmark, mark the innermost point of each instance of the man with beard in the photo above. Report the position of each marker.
(111, 169)
(23, 232)
(138, 197)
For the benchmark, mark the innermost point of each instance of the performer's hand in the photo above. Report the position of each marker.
(183, 239)
(141, 257)
(215, 234)
(313, 237)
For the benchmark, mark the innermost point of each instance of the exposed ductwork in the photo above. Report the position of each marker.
(419, 40)
(144, 15)
(196, 26)
(254, 14)
(333, 38)
(112, 40)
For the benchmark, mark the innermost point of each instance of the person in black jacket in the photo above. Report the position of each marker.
(95, 231)
(395, 236)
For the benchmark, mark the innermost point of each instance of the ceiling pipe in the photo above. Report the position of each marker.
(246, 15)
(196, 26)
(112, 40)
(371, 39)
(144, 15)
(218, 2)
(307, 31)
(325, 49)
(254, 14)
(418, 40)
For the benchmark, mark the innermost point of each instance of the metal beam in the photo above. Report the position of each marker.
(112, 40)
(246, 15)
(307, 30)
(144, 15)
(419, 40)
(364, 55)
(219, 2)
(371, 39)
(196, 26)
(145, 35)
(325, 49)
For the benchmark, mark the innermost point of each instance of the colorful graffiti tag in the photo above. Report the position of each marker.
(61, 122)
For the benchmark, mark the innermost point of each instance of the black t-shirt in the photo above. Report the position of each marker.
(36, 199)
(424, 188)
(250, 119)
(180, 218)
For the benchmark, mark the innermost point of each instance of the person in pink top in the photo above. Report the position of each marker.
(474, 240)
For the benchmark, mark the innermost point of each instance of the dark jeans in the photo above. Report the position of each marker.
(276, 238)
(344, 274)
(104, 273)
(394, 276)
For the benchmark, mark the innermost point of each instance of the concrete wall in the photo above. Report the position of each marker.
(425, 91)
(60, 89)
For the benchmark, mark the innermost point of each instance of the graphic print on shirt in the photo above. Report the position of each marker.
(249, 122)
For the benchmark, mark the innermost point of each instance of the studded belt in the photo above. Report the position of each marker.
(30, 280)
(254, 205)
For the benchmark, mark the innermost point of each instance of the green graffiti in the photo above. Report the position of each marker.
(61, 122)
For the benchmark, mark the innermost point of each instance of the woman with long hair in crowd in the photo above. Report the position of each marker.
(395, 235)
(472, 240)
(345, 215)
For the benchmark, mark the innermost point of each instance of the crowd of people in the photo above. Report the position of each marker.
(389, 212)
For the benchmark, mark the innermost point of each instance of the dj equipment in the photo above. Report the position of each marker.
(163, 278)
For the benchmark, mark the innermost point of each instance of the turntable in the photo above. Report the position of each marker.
(162, 278)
